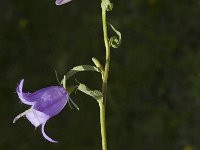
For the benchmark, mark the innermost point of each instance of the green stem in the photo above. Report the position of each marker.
(107, 64)
(102, 123)
(102, 104)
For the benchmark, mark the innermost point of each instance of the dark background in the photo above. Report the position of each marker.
(154, 82)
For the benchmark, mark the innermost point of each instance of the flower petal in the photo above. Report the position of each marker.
(52, 100)
(21, 115)
(46, 94)
(23, 96)
(61, 2)
(46, 136)
(36, 117)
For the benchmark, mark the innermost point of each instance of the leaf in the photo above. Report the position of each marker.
(93, 93)
(114, 41)
(80, 68)
(98, 64)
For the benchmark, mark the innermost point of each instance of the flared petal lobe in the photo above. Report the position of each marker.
(46, 136)
(61, 2)
(23, 96)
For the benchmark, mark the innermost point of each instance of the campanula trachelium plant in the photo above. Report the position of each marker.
(48, 102)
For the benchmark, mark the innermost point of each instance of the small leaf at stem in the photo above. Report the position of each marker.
(97, 64)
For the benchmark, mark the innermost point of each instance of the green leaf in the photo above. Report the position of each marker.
(98, 64)
(93, 93)
(114, 41)
(80, 68)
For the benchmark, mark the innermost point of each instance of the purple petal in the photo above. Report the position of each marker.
(36, 117)
(61, 2)
(21, 115)
(45, 94)
(50, 100)
(46, 136)
(23, 96)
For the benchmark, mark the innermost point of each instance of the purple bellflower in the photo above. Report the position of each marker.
(61, 2)
(45, 103)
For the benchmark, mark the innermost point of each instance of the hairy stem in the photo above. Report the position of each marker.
(102, 104)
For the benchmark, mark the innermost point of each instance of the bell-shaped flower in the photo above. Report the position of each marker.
(45, 103)
(61, 2)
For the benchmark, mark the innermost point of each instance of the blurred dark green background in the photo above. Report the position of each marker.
(154, 84)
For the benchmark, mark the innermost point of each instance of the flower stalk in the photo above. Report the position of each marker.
(102, 104)
(102, 123)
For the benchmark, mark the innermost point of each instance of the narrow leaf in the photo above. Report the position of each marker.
(93, 93)
(80, 68)
(98, 64)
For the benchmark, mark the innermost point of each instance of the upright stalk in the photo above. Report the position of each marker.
(103, 127)
(102, 104)
(107, 63)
